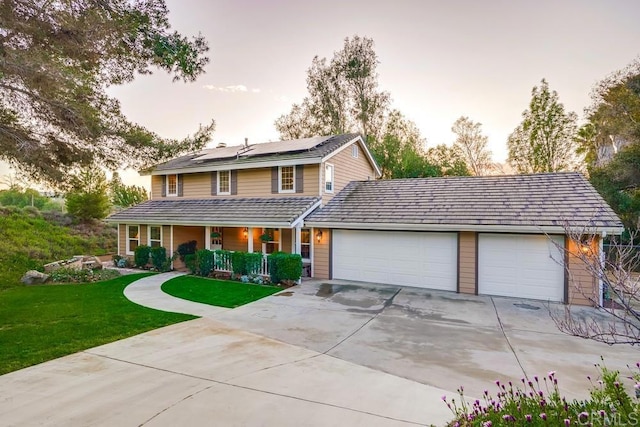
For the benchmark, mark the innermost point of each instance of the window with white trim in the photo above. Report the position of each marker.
(155, 236)
(133, 238)
(305, 243)
(328, 178)
(354, 151)
(224, 182)
(172, 185)
(273, 244)
(287, 179)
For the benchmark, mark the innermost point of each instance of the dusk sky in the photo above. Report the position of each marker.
(439, 60)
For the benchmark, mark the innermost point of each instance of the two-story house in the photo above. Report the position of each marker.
(320, 197)
(229, 196)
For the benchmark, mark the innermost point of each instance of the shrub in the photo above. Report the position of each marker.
(238, 262)
(186, 248)
(283, 266)
(159, 259)
(538, 402)
(191, 262)
(141, 256)
(124, 262)
(253, 262)
(204, 259)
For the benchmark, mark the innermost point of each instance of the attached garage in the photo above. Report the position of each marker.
(523, 266)
(419, 259)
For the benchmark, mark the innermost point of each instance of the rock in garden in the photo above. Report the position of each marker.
(33, 277)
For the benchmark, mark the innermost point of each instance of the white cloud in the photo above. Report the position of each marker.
(231, 89)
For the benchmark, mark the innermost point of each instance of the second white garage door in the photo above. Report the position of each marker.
(523, 266)
(426, 260)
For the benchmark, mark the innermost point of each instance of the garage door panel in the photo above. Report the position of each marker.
(525, 266)
(402, 258)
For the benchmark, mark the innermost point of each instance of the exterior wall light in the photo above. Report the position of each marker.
(245, 232)
(319, 236)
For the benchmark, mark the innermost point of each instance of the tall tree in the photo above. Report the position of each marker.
(343, 95)
(449, 160)
(472, 145)
(57, 58)
(88, 198)
(545, 139)
(125, 196)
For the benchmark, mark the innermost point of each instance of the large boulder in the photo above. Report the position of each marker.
(33, 277)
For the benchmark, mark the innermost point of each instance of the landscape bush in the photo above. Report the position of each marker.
(186, 248)
(141, 256)
(72, 275)
(159, 259)
(239, 262)
(191, 263)
(253, 262)
(538, 402)
(284, 267)
(204, 258)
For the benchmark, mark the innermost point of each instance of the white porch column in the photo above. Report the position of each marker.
(171, 243)
(207, 237)
(297, 249)
(602, 266)
(280, 239)
(250, 239)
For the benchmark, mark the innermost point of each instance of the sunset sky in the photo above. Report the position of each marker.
(439, 60)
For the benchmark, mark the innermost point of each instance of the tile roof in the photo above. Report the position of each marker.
(537, 200)
(286, 150)
(282, 211)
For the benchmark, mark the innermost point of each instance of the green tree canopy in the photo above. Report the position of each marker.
(88, 198)
(545, 139)
(123, 195)
(57, 60)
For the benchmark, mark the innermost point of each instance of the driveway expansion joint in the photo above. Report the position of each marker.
(513, 350)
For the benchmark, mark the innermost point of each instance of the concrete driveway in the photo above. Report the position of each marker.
(440, 339)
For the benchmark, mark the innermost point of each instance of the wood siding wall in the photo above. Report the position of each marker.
(182, 234)
(122, 239)
(251, 183)
(285, 238)
(347, 168)
(467, 262)
(581, 282)
(321, 254)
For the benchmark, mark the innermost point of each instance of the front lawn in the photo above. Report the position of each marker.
(221, 293)
(40, 323)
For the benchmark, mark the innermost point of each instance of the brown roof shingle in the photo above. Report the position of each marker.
(536, 200)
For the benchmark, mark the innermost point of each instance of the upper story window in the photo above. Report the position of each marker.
(328, 178)
(354, 151)
(155, 236)
(172, 185)
(287, 179)
(224, 182)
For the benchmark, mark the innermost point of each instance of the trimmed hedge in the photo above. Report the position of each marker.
(191, 263)
(204, 260)
(283, 266)
(159, 259)
(187, 248)
(253, 262)
(238, 262)
(141, 256)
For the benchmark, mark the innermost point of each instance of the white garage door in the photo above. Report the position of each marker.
(524, 266)
(426, 260)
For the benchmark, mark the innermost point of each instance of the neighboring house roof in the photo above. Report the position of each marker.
(279, 153)
(260, 212)
(517, 203)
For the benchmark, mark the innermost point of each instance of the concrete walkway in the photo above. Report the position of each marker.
(148, 293)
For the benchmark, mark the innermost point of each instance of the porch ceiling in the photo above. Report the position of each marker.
(245, 212)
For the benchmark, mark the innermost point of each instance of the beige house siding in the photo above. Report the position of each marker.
(347, 168)
(182, 234)
(581, 282)
(286, 236)
(122, 239)
(467, 241)
(233, 239)
(321, 254)
(251, 183)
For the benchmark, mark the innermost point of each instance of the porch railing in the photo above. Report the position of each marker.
(223, 262)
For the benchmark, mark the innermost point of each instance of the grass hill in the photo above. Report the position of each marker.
(30, 238)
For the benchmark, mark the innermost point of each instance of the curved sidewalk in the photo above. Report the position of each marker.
(148, 293)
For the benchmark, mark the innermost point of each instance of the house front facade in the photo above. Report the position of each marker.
(250, 198)
(320, 197)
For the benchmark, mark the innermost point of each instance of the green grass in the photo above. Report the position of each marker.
(221, 293)
(40, 323)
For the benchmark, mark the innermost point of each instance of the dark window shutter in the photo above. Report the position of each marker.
(234, 182)
(274, 179)
(300, 179)
(214, 183)
(164, 185)
(180, 186)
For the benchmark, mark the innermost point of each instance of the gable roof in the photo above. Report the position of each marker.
(246, 212)
(268, 154)
(517, 203)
